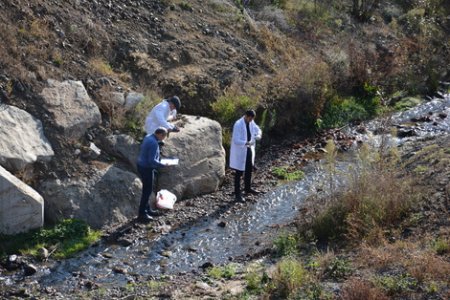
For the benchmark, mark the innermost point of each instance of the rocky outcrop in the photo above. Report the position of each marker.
(22, 140)
(199, 148)
(109, 196)
(202, 158)
(21, 207)
(71, 107)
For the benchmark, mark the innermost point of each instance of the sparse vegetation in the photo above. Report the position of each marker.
(284, 173)
(101, 66)
(377, 199)
(65, 239)
(226, 272)
(286, 245)
(288, 278)
(441, 246)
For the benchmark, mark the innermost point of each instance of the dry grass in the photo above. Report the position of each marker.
(417, 258)
(100, 66)
(357, 289)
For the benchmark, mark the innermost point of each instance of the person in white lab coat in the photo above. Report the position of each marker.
(242, 152)
(161, 114)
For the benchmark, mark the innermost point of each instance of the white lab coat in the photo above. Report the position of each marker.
(238, 151)
(158, 117)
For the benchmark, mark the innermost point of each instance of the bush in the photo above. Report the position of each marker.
(286, 244)
(377, 198)
(135, 119)
(441, 246)
(356, 289)
(339, 112)
(229, 108)
(396, 284)
(226, 272)
(288, 278)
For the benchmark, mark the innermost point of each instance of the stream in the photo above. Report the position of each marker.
(238, 235)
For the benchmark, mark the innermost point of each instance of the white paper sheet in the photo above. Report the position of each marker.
(170, 161)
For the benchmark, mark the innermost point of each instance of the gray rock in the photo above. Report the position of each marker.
(202, 158)
(122, 146)
(117, 98)
(21, 207)
(108, 197)
(133, 99)
(29, 269)
(22, 140)
(71, 107)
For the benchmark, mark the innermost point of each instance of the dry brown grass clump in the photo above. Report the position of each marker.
(358, 289)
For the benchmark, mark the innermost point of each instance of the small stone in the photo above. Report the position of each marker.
(322, 150)
(222, 224)
(43, 253)
(107, 255)
(207, 265)
(120, 270)
(166, 253)
(29, 269)
(125, 242)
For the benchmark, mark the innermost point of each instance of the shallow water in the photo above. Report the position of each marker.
(246, 231)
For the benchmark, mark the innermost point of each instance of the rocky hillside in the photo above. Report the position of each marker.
(78, 77)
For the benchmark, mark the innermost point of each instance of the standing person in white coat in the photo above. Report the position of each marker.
(242, 152)
(161, 114)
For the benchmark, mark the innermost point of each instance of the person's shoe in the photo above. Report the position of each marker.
(252, 191)
(239, 198)
(154, 213)
(145, 218)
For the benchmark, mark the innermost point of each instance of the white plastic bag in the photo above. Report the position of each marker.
(165, 199)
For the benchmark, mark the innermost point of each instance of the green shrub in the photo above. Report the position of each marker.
(69, 237)
(254, 281)
(230, 108)
(135, 119)
(338, 269)
(407, 103)
(226, 272)
(441, 246)
(286, 244)
(339, 112)
(396, 284)
(185, 6)
(283, 173)
(288, 278)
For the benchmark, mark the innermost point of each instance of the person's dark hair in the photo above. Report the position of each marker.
(250, 113)
(161, 130)
(176, 101)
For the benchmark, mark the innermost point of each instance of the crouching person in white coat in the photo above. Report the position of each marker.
(242, 152)
(161, 114)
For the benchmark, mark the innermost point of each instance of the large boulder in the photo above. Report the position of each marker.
(72, 108)
(109, 196)
(21, 207)
(201, 168)
(22, 140)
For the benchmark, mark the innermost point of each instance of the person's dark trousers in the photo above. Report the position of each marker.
(247, 175)
(147, 177)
